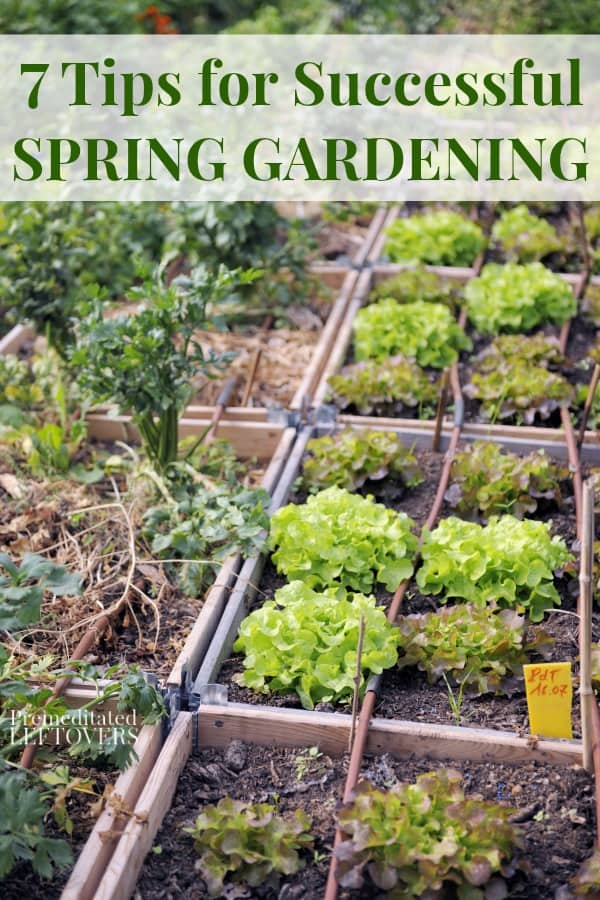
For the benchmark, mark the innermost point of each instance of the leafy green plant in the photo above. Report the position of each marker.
(424, 838)
(473, 646)
(51, 251)
(207, 524)
(306, 641)
(338, 538)
(490, 480)
(22, 835)
(509, 561)
(510, 349)
(425, 332)
(145, 362)
(519, 390)
(350, 458)
(22, 588)
(244, 235)
(518, 298)
(248, 843)
(523, 236)
(440, 238)
(42, 415)
(371, 386)
(415, 284)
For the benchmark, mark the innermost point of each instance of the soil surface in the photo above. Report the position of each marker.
(555, 804)
(406, 693)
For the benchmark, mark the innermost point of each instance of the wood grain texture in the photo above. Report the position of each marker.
(321, 352)
(152, 805)
(265, 726)
(95, 856)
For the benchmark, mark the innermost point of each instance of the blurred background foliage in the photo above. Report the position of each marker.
(292, 17)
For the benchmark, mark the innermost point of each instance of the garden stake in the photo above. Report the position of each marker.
(439, 415)
(588, 403)
(368, 706)
(574, 466)
(359, 649)
(254, 361)
(223, 400)
(585, 623)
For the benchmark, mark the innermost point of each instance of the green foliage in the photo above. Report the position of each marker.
(489, 480)
(137, 694)
(350, 457)
(52, 251)
(422, 838)
(370, 386)
(472, 645)
(67, 17)
(518, 298)
(207, 524)
(306, 641)
(244, 235)
(523, 236)
(248, 843)
(415, 284)
(510, 562)
(338, 538)
(439, 238)
(22, 588)
(532, 349)
(42, 415)
(145, 362)
(22, 836)
(520, 390)
(425, 332)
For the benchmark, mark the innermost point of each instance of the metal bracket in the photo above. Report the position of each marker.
(288, 418)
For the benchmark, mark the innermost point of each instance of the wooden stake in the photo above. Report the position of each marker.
(585, 623)
(359, 649)
(588, 404)
(439, 415)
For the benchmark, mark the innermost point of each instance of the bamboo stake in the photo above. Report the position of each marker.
(359, 650)
(585, 623)
(588, 403)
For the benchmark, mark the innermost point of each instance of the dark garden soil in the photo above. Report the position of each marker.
(405, 693)
(555, 805)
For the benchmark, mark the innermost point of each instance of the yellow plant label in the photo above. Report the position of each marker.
(549, 689)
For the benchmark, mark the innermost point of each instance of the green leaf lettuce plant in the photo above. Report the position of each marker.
(248, 843)
(516, 298)
(421, 331)
(306, 641)
(508, 562)
(440, 238)
(425, 839)
(342, 539)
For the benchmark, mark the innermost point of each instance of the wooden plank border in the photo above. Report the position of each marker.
(121, 873)
(199, 638)
(95, 856)
(267, 725)
(339, 350)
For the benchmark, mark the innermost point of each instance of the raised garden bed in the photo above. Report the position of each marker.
(154, 622)
(409, 393)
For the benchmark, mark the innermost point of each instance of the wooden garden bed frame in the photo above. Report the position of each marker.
(267, 442)
(367, 280)
(214, 726)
